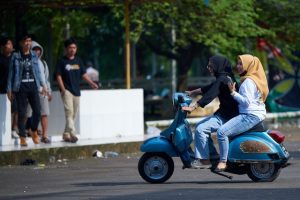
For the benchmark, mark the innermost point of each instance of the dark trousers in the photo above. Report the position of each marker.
(23, 98)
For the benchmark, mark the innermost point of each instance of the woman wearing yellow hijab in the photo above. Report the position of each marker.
(251, 97)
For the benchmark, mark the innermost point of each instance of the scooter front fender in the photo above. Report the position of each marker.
(159, 144)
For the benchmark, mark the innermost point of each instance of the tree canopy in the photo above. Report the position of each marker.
(224, 27)
(202, 29)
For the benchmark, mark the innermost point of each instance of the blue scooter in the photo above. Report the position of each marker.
(259, 152)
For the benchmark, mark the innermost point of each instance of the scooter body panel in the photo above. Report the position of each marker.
(159, 144)
(255, 147)
(183, 137)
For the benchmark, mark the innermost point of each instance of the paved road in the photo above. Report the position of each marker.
(118, 178)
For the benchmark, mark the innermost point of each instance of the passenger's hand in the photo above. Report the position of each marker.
(231, 87)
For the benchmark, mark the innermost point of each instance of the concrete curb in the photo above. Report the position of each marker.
(48, 155)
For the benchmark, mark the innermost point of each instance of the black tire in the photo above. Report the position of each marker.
(156, 167)
(263, 172)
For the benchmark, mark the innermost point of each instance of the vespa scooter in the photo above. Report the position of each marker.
(259, 152)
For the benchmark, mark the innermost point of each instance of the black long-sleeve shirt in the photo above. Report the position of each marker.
(228, 106)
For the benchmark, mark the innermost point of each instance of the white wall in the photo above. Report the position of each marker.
(111, 113)
(5, 120)
(103, 114)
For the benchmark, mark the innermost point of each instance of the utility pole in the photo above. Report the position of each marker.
(174, 63)
(127, 45)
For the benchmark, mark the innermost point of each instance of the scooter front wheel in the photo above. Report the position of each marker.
(263, 172)
(156, 167)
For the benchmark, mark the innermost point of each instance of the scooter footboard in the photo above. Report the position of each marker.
(159, 144)
(252, 148)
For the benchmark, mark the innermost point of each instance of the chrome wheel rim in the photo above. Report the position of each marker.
(156, 167)
(263, 170)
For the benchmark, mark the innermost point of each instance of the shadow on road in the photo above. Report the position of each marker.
(105, 184)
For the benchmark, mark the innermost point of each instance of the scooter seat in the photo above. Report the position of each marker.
(260, 127)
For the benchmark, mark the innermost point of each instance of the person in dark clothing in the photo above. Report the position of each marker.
(7, 48)
(69, 71)
(6, 52)
(24, 82)
(219, 67)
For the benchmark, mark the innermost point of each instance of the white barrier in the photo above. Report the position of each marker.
(5, 120)
(110, 115)
(102, 114)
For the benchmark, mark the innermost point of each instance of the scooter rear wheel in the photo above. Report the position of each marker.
(263, 172)
(156, 167)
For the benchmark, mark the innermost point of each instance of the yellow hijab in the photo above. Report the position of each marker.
(255, 71)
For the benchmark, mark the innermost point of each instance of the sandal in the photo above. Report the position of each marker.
(45, 140)
(66, 137)
(221, 167)
(74, 139)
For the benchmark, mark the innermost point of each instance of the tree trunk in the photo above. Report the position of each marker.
(184, 61)
(182, 82)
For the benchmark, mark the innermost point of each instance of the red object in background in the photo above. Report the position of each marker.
(263, 44)
(277, 136)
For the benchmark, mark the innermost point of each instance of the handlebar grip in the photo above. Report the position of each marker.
(180, 99)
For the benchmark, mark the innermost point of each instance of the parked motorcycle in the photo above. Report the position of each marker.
(259, 152)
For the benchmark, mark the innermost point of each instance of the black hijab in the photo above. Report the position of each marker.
(221, 66)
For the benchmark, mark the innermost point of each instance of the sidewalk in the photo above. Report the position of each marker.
(60, 150)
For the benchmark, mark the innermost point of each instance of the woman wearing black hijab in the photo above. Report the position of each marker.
(219, 67)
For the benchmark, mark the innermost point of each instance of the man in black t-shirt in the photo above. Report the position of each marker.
(69, 71)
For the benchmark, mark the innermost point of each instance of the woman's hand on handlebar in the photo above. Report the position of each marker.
(193, 92)
(187, 108)
(190, 108)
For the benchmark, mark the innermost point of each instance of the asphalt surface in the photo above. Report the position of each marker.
(118, 178)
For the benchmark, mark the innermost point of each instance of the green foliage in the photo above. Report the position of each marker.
(281, 18)
(59, 20)
(228, 27)
(222, 26)
(108, 41)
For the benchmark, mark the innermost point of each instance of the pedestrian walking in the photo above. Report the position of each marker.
(69, 71)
